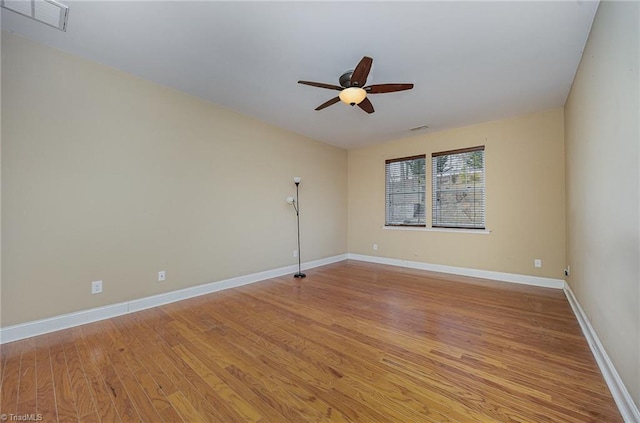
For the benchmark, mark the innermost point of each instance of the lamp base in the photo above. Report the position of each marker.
(300, 275)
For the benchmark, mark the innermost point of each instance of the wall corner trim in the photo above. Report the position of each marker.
(64, 321)
(464, 271)
(621, 396)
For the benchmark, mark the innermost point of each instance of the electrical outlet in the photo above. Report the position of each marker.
(375, 247)
(295, 253)
(537, 263)
(567, 271)
(162, 275)
(96, 287)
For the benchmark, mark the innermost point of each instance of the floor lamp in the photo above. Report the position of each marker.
(296, 205)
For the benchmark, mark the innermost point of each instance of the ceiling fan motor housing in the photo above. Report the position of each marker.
(345, 79)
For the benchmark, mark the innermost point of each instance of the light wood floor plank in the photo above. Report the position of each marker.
(45, 389)
(79, 384)
(108, 381)
(91, 360)
(65, 400)
(145, 379)
(358, 364)
(11, 378)
(27, 388)
(112, 342)
(296, 342)
(158, 351)
(185, 408)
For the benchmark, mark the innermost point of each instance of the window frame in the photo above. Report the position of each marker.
(387, 193)
(434, 191)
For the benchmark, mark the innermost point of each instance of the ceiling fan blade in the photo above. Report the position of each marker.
(321, 85)
(360, 73)
(328, 103)
(387, 88)
(366, 106)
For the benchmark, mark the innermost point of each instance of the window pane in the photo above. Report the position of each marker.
(405, 191)
(458, 189)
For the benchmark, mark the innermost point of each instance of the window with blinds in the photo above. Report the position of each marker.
(405, 191)
(458, 184)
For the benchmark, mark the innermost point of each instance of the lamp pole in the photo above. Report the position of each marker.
(296, 206)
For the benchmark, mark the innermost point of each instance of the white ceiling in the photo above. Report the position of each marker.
(470, 62)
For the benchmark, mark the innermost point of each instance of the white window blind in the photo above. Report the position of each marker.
(458, 198)
(405, 191)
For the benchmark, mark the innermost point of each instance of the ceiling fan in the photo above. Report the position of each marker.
(352, 89)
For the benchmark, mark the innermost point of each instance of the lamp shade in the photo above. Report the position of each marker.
(290, 199)
(297, 179)
(353, 95)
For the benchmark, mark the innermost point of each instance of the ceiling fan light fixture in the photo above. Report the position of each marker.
(353, 95)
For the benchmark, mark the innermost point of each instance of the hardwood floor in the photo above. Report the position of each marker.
(352, 342)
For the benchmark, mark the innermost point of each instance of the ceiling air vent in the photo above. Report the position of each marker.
(49, 12)
(419, 128)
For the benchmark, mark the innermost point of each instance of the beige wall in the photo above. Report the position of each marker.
(109, 177)
(603, 186)
(524, 159)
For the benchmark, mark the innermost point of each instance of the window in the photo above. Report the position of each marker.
(405, 191)
(458, 189)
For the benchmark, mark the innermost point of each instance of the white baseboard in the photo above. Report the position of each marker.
(64, 321)
(463, 271)
(627, 407)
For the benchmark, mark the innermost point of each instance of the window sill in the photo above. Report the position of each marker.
(449, 230)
